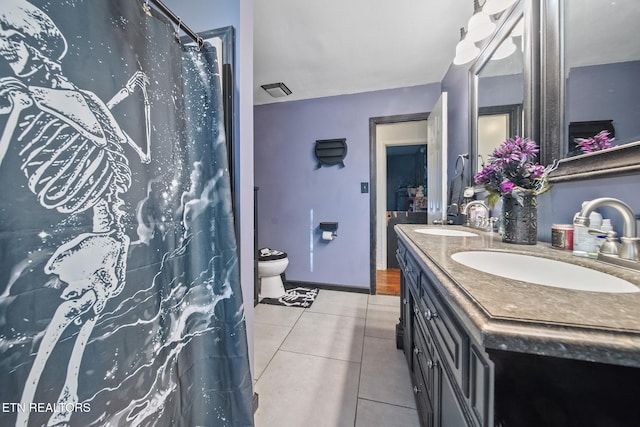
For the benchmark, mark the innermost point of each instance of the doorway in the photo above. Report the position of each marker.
(406, 181)
(384, 132)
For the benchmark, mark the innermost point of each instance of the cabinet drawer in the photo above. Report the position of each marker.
(449, 335)
(412, 273)
(423, 384)
(424, 352)
(401, 253)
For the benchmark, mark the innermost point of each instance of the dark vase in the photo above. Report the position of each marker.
(520, 218)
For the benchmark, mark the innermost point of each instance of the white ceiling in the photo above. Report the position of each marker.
(335, 47)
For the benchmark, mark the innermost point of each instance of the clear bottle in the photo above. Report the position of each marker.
(496, 212)
(583, 242)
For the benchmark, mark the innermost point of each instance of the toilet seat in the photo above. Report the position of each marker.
(266, 254)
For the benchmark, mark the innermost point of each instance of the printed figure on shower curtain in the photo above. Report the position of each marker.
(73, 160)
(105, 229)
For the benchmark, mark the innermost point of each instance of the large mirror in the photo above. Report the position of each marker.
(503, 98)
(595, 54)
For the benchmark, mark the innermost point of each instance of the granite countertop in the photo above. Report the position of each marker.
(512, 315)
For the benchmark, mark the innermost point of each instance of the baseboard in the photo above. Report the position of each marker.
(329, 286)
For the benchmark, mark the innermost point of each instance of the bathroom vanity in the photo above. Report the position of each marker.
(484, 350)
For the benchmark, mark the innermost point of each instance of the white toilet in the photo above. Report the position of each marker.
(271, 264)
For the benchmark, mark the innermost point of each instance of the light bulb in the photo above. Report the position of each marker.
(480, 25)
(466, 50)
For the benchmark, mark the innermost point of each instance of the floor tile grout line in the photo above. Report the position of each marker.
(318, 356)
(361, 362)
(335, 314)
(387, 403)
(280, 345)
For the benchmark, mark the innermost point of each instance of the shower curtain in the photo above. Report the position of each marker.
(120, 301)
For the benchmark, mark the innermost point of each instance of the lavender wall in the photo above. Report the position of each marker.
(456, 84)
(500, 90)
(295, 196)
(608, 91)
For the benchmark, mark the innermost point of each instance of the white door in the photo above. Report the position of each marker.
(437, 161)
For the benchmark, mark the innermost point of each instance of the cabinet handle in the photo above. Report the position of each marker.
(430, 315)
(416, 390)
(432, 364)
(416, 350)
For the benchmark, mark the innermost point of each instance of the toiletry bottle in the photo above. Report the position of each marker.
(583, 242)
(496, 212)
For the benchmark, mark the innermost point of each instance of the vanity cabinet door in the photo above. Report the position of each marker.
(449, 412)
(440, 406)
(480, 387)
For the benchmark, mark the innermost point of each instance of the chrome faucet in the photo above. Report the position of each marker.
(629, 249)
(484, 223)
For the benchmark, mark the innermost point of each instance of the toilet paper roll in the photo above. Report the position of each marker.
(327, 235)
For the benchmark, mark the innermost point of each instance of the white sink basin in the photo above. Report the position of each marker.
(445, 232)
(542, 271)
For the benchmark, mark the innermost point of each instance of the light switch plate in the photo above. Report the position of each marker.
(364, 187)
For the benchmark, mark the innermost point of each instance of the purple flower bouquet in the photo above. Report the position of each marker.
(596, 143)
(512, 169)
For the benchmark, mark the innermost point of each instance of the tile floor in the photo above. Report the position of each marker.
(334, 364)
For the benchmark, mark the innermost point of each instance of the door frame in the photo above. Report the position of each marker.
(373, 187)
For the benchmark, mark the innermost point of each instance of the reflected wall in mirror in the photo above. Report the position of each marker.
(495, 125)
(592, 62)
(500, 94)
(602, 71)
(502, 99)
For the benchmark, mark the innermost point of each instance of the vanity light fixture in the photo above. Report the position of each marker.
(277, 90)
(518, 30)
(466, 50)
(480, 25)
(493, 7)
(506, 48)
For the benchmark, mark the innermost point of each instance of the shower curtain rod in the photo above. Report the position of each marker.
(178, 21)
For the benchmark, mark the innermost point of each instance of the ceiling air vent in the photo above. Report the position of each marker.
(331, 152)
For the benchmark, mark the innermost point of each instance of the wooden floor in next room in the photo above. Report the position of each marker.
(388, 282)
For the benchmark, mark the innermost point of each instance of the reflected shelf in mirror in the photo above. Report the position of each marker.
(596, 80)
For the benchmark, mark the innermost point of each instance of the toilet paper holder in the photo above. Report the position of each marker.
(329, 226)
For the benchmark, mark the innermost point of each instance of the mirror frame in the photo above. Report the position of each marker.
(620, 160)
(529, 10)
